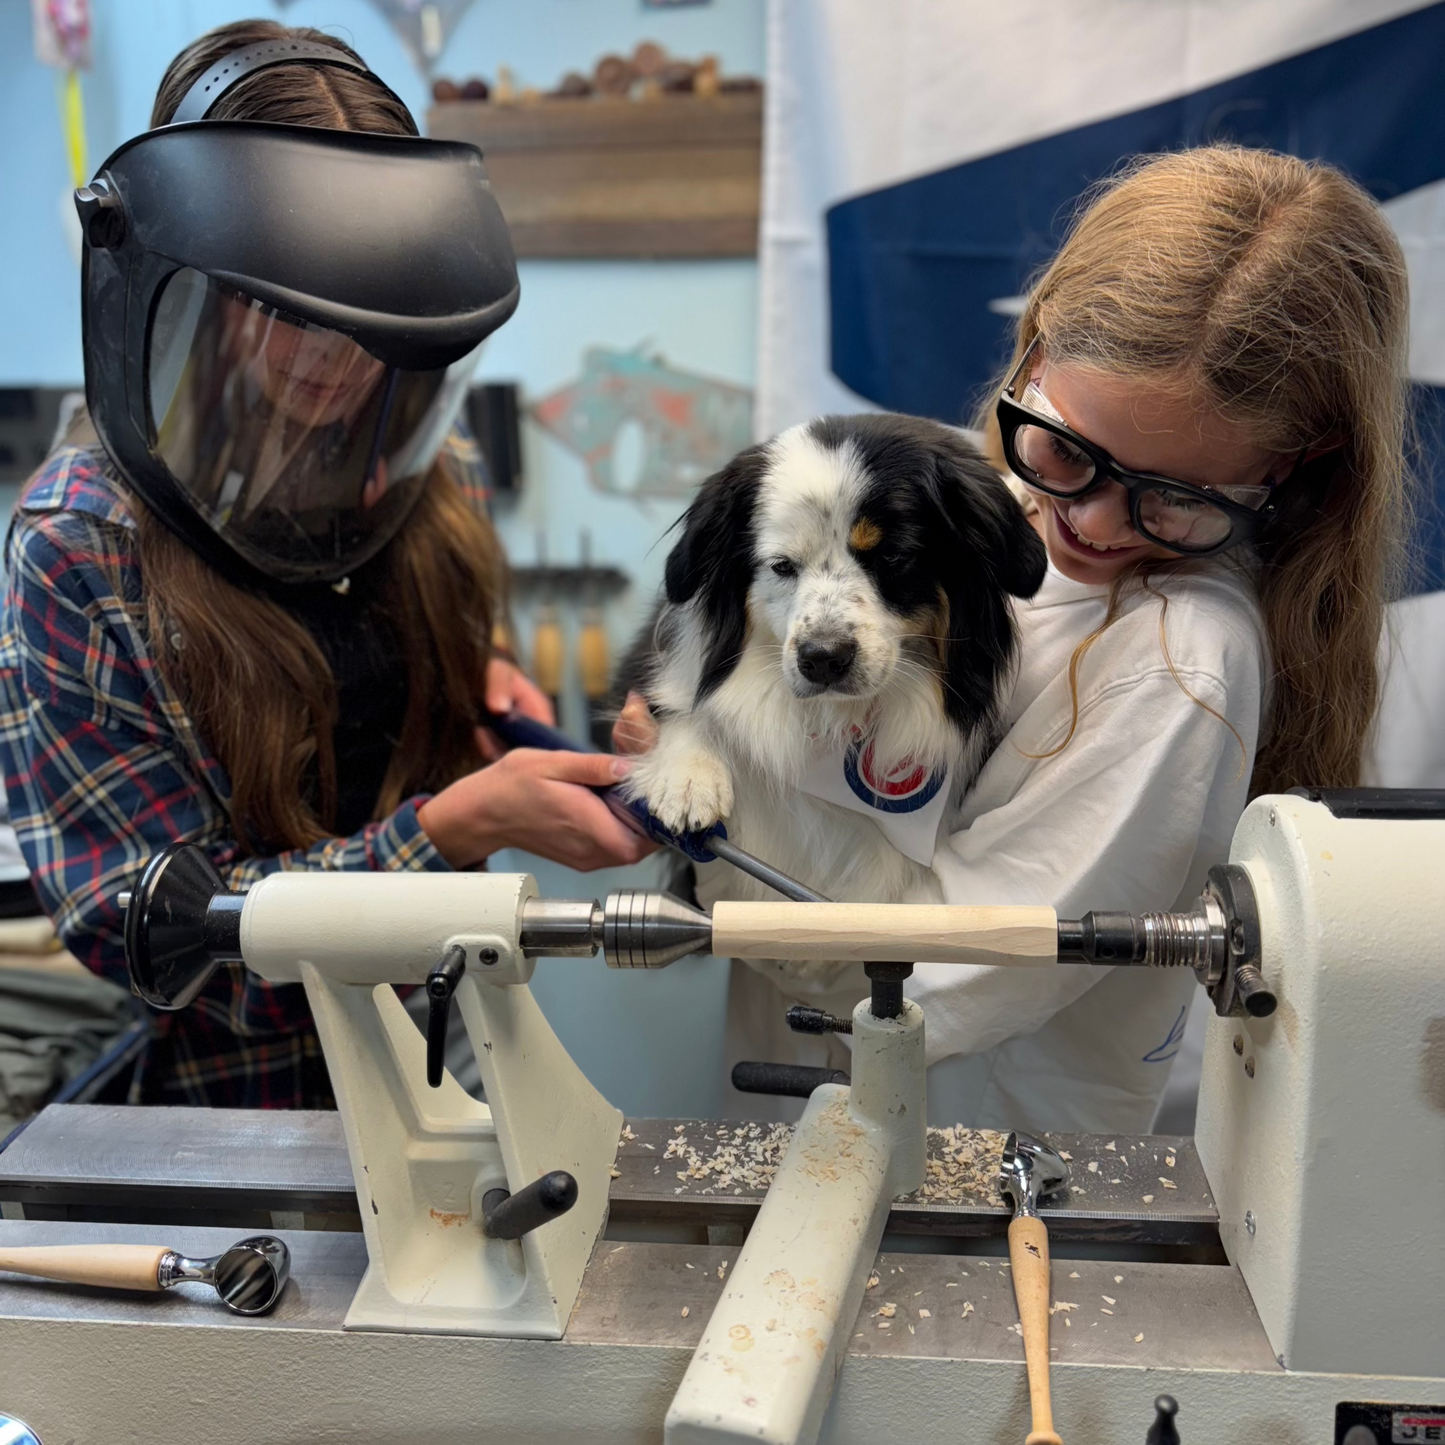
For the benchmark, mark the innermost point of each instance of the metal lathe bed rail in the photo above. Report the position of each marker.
(251, 1168)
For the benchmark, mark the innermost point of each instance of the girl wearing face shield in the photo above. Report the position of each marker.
(250, 598)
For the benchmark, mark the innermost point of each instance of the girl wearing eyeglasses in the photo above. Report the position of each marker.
(1206, 408)
(1206, 411)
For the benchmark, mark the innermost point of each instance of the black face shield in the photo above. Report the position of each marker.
(279, 327)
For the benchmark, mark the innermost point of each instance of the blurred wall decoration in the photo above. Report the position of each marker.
(681, 426)
(916, 175)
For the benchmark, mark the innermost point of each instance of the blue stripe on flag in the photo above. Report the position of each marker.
(913, 267)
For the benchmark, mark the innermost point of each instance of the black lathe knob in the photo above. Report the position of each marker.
(1162, 1431)
(510, 1216)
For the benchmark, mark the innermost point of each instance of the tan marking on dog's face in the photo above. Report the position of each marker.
(865, 535)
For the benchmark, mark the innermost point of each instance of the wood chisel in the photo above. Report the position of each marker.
(517, 731)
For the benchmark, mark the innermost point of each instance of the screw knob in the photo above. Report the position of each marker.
(102, 216)
(1162, 1431)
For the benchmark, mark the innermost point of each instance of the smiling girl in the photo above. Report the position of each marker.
(1206, 407)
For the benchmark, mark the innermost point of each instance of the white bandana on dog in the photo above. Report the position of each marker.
(907, 802)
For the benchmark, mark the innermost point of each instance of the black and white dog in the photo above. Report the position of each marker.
(839, 593)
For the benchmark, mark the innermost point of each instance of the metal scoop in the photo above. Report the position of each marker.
(248, 1277)
(1029, 1171)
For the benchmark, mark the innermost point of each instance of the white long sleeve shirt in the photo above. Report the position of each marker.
(1129, 815)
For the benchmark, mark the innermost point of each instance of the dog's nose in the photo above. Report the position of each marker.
(826, 662)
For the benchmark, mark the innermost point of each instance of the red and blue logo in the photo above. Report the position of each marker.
(905, 788)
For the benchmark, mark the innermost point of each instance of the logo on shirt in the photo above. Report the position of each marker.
(1170, 1046)
(904, 788)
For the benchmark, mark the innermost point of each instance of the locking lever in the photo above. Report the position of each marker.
(510, 1216)
(441, 984)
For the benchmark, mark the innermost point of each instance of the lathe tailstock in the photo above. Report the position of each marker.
(719, 1283)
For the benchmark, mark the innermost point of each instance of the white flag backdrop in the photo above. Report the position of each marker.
(921, 157)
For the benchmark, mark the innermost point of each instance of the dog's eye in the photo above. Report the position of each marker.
(785, 567)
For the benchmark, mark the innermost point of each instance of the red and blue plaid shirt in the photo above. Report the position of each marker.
(104, 768)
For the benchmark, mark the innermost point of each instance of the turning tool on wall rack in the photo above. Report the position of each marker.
(593, 665)
(248, 1277)
(549, 661)
(1031, 1171)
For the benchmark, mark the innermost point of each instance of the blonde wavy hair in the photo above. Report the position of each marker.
(1272, 291)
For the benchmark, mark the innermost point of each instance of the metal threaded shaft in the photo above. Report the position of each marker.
(1176, 940)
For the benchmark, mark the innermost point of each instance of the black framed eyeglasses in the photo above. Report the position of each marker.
(1047, 455)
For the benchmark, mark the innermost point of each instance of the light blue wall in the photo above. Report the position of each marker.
(651, 1042)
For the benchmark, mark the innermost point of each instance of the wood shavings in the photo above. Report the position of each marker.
(1108, 1299)
(722, 1269)
(1168, 1183)
(925, 1314)
(686, 1311)
(952, 1284)
(1073, 1274)
(962, 1166)
(1066, 1156)
(1068, 1323)
(1139, 1338)
(1148, 1199)
(1017, 1329)
(627, 1133)
(1103, 1311)
(888, 1311)
(615, 1172)
(1061, 1305)
(1118, 1279)
(1116, 1181)
(884, 1325)
(1093, 1166)
(872, 1281)
(967, 1310)
(689, 1266)
(745, 1157)
(1168, 1161)
(1110, 1146)
(911, 1330)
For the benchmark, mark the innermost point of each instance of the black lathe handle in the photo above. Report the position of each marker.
(1162, 1431)
(441, 984)
(795, 1081)
(510, 1216)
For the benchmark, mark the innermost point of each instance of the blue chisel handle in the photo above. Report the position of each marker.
(517, 731)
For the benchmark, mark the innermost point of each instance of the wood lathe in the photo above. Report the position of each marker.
(845, 1280)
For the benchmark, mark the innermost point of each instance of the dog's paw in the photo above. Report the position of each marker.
(686, 792)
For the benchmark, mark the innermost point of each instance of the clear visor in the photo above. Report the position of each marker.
(294, 444)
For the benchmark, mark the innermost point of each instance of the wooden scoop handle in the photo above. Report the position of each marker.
(1028, 1252)
(112, 1266)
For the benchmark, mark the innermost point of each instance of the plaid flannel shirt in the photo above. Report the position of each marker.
(104, 768)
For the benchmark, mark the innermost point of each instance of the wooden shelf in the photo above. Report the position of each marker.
(676, 176)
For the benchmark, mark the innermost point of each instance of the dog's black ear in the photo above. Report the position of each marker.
(712, 562)
(988, 550)
(982, 510)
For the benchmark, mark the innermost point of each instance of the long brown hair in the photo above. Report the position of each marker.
(1273, 291)
(250, 675)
